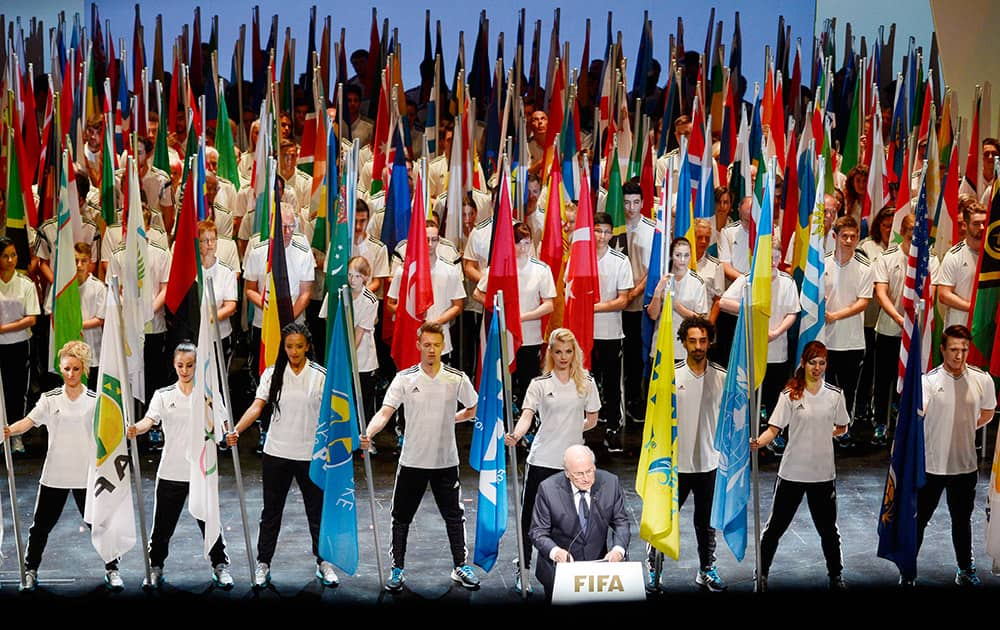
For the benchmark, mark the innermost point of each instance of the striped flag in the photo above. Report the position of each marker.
(916, 287)
(109, 487)
(813, 293)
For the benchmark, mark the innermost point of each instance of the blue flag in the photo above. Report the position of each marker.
(732, 440)
(653, 275)
(396, 222)
(487, 454)
(332, 467)
(897, 522)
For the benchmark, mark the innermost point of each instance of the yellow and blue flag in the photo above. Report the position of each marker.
(332, 467)
(487, 454)
(732, 440)
(761, 277)
(656, 476)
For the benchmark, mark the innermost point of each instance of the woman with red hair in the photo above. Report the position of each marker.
(812, 409)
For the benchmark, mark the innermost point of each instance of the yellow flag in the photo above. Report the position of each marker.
(656, 477)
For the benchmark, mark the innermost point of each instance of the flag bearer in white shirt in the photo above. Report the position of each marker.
(614, 274)
(565, 400)
(294, 388)
(958, 400)
(67, 413)
(812, 409)
(430, 391)
(959, 267)
(699, 394)
(171, 408)
(847, 281)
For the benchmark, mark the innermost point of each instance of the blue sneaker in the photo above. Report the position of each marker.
(156, 439)
(777, 445)
(968, 577)
(652, 580)
(395, 581)
(465, 576)
(710, 580)
(844, 441)
(879, 438)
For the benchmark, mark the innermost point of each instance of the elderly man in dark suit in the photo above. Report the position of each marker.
(573, 515)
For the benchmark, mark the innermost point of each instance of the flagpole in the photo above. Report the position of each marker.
(126, 386)
(755, 424)
(9, 461)
(500, 311)
(228, 420)
(345, 299)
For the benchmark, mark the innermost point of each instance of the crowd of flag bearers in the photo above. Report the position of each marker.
(728, 268)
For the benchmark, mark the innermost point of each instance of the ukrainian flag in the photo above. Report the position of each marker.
(656, 476)
(760, 282)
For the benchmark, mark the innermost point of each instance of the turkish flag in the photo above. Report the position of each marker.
(582, 283)
(416, 294)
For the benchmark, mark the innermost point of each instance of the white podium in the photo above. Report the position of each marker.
(599, 581)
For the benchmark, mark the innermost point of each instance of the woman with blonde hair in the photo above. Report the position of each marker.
(67, 412)
(564, 399)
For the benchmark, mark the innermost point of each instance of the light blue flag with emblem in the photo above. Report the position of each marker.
(732, 440)
(487, 454)
(332, 467)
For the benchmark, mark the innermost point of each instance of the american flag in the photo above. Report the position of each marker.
(917, 285)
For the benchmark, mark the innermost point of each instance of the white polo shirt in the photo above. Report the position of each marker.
(810, 421)
(951, 410)
(365, 317)
(377, 255)
(874, 251)
(690, 293)
(561, 410)
(844, 284)
(734, 246)
(113, 240)
(301, 268)
(224, 284)
(431, 404)
(958, 271)
(614, 274)
(45, 240)
(784, 300)
(70, 425)
(159, 272)
(890, 270)
(170, 408)
(18, 299)
(292, 433)
(698, 400)
(534, 284)
(640, 248)
(710, 270)
(446, 281)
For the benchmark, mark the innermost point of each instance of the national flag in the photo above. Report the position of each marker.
(790, 198)
(985, 311)
(109, 483)
(277, 299)
(228, 169)
(656, 475)
(993, 513)
(658, 264)
(20, 202)
(107, 184)
(877, 192)
(813, 292)
(917, 287)
(503, 267)
(137, 292)
(761, 277)
(416, 293)
(732, 440)
(487, 453)
(385, 132)
(455, 196)
(332, 466)
(396, 222)
(67, 319)
(684, 213)
(208, 413)
(973, 172)
(184, 282)
(945, 224)
(615, 203)
(704, 196)
(897, 523)
(852, 139)
(582, 288)
(553, 248)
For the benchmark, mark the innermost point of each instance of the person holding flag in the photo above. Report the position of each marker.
(18, 311)
(564, 398)
(171, 409)
(690, 296)
(431, 392)
(699, 385)
(292, 387)
(958, 400)
(67, 413)
(809, 406)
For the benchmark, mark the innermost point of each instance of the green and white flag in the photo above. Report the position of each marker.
(67, 318)
(137, 292)
(109, 507)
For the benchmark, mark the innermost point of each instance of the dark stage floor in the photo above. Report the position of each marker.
(72, 574)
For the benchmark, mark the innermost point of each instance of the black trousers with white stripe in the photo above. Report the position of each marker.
(48, 508)
(533, 477)
(411, 483)
(822, 499)
(276, 478)
(167, 506)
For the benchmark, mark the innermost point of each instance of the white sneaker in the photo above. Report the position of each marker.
(262, 576)
(113, 580)
(30, 580)
(326, 574)
(221, 576)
